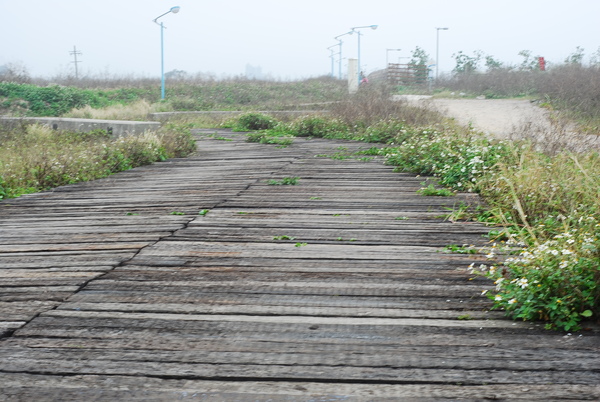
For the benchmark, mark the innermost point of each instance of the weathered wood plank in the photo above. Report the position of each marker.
(83, 387)
(104, 294)
(307, 371)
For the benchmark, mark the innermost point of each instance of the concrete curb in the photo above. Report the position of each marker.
(116, 128)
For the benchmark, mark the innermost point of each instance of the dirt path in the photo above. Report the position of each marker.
(493, 116)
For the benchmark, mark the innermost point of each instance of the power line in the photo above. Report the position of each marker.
(75, 53)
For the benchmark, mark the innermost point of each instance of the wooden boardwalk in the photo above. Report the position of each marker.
(332, 289)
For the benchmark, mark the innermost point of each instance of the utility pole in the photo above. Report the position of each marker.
(75, 53)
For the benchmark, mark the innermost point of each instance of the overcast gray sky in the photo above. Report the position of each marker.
(288, 39)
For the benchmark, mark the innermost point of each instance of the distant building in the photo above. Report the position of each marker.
(176, 74)
(254, 72)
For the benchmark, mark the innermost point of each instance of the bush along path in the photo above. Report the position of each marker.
(255, 272)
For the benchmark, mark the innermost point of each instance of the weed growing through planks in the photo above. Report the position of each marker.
(373, 151)
(177, 213)
(286, 181)
(280, 140)
(401, 218)
(203, 212)
(131, 213)
(431, 190)
(456, 249)
(460, 212)
(300, 244)
(337, 156)
(284, 237)
(316, 198)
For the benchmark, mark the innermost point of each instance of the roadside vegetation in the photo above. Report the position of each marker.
(35, 158)
(134, 99)
(541, 198)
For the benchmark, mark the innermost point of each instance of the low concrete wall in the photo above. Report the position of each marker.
(115, 127)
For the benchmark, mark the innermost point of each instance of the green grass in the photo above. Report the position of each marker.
(431, 190)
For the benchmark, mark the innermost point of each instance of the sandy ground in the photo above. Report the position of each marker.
(498, 117)
(509, 118)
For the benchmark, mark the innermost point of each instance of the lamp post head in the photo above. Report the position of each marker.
(175, 9)
(443, 29)
(365, 26)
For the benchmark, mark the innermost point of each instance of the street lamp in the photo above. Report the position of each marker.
(437, 51)
(340, 52)
(387, 51)
(173, 10)
(331, 56)
(356, 29)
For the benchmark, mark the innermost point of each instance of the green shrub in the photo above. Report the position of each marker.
(254, 122)
(460, 160)
(177, 140)
(317, 126)
(384, 131)
(52, 100)
(557, 281)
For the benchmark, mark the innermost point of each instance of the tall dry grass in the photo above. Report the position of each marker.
(573, 88)
(138, 110)
(35, 157)
(373, 104)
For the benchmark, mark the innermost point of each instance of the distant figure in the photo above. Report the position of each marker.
(363, 78)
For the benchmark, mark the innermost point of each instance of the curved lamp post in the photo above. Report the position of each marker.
(332, 57)
(173, 10)
(340, 52)
(437, 51)
(356, 29)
